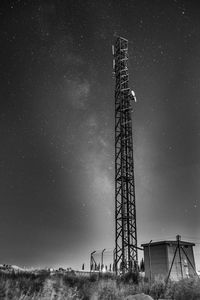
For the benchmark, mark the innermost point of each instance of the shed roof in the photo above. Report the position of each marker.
(182, 243)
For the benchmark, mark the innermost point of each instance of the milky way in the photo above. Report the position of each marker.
(57, 125)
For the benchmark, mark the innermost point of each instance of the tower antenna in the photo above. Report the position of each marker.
(126, 257)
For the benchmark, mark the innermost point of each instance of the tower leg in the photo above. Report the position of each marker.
(125, 211)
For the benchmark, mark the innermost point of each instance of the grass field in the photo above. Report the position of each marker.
(43, 285)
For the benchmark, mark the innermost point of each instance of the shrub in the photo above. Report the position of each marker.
(185, 289)
(108, 292)
(107, 276)
(15, 284)
(157, 289)
(2, 290)
(93, 277)
(72, 279)
(130, 277)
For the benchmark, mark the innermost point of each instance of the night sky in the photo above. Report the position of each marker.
(57, 125)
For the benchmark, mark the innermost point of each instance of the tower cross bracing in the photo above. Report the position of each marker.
(126, 257)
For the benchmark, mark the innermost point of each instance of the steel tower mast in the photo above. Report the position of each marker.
(126, 257)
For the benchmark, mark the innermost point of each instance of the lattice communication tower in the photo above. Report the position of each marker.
(126, 258)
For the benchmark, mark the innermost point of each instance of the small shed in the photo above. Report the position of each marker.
(169, 257)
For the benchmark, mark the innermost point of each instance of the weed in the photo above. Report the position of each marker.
(98, 286)
(157, 289)
(185, 289)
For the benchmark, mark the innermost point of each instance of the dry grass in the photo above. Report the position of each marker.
(18, 285)
(186, 289)
(69, 286)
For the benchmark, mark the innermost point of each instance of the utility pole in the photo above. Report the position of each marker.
(126, 257)
(178, 238)
(92, 261)
(102, 258)
(150, 272)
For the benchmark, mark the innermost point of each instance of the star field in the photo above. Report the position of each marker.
(57, 125)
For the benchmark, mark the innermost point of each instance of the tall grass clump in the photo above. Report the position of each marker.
(16, 284)
(185, 289)
(130, 277)
(83, 286)
(157, 289)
